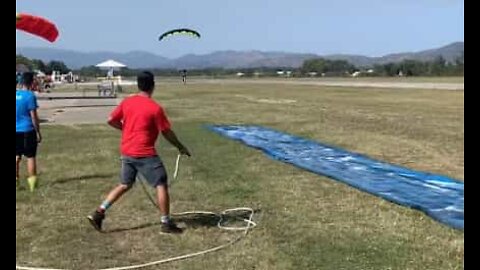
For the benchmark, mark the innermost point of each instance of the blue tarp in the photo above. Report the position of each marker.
(438, 196)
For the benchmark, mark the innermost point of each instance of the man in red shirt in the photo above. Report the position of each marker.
(141, 121)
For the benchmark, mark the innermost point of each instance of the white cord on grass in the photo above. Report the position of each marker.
(249, 224)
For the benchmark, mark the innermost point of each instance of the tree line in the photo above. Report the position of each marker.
(313, 67)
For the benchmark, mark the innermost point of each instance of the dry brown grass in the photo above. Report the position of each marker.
(306, 221)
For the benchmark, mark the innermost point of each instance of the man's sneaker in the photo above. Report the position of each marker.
(96, 219)
(171, 228)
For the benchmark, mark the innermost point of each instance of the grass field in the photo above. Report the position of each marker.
(305, 221)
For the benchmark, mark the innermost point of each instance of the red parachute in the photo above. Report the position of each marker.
(37, 26)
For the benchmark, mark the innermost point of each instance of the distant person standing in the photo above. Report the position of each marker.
(28, 128)
(184, 76)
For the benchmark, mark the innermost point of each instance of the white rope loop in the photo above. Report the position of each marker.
(249, 225)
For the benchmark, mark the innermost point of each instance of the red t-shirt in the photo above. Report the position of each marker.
(143, 120)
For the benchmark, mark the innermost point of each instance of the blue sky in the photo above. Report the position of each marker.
(369, 27)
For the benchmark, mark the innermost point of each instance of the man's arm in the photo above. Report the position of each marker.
(171, 137)
(115, 124)
(36, 124)
(116, 118)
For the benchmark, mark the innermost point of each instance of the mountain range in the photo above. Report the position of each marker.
(228, 59)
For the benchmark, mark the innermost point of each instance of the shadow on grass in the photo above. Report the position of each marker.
(193, 221)
(82, 178)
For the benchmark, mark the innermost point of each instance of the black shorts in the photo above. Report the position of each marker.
(27, 144)
(150, 169)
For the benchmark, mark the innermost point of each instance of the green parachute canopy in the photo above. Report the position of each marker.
(180, 32)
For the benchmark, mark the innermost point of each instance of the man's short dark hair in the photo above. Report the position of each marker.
(28, 78)
(146, 81)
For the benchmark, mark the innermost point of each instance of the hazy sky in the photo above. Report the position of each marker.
(369, 27)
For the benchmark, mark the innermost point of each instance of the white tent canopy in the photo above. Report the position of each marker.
(111, 64)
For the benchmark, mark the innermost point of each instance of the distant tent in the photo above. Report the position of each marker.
(111, 66)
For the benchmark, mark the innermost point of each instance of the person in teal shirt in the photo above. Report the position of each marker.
(28, 129)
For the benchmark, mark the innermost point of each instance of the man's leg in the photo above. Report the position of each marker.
(32, 173)
(19, 160)
(32, 166)
(163, 200)
(31, 154)
(155, 174)
(128, 175)
(96, 219)
(19, 153)
(113, 197)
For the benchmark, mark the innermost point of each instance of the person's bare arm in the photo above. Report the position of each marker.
(172, 138)
(36, 124)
